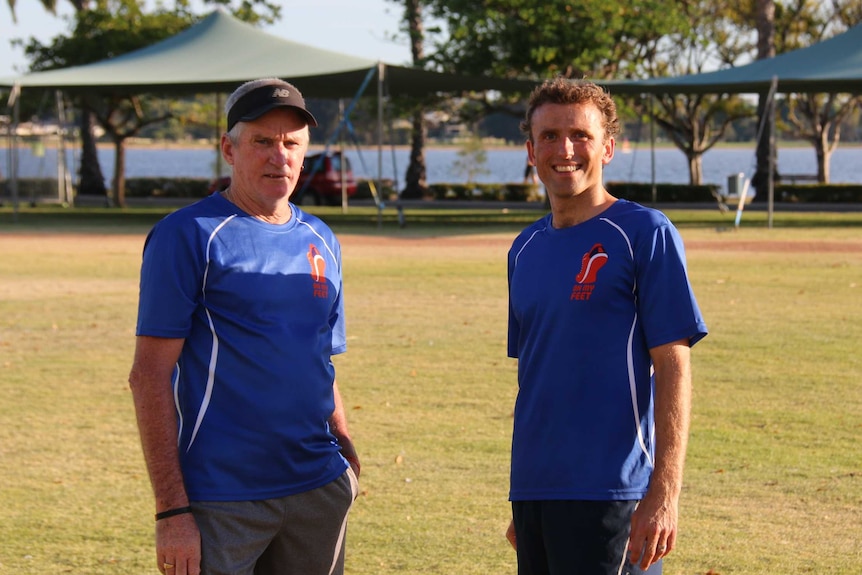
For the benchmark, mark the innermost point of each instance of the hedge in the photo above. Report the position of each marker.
(45, 189)
(665, 193)
(817, 193)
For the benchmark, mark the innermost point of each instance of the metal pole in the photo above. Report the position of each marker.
(652, 149)
(13, 150)
(381, 69)
(771, 178)
(343, 163)
(63, 178)
(218, 162)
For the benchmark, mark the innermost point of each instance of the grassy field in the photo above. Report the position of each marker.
(773, 482)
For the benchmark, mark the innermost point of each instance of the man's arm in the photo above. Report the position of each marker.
(655, 521)
(177, 537)
(338, 427)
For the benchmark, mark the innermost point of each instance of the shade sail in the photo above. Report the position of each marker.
(831, 66)
(220, 52)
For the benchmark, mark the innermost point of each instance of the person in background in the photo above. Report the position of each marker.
(241, 310)
(601, 319)
(530, 176)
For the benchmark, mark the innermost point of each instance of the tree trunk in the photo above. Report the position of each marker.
(824, 155)
(695, 168)
(765, 22)
(415, 178)
(119, 181)
(91, 181)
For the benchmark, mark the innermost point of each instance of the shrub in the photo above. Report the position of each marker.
(665, 193)
(167, 187)
(508, 192)
(818, 193)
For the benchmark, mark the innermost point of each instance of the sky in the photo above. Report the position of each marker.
(358, 27)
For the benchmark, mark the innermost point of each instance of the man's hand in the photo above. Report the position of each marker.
(178, 545)
(510, 535)
(654, 530)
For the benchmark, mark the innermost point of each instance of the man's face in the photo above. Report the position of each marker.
(268, 153)
(568, 148)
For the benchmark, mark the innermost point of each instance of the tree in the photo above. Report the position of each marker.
(764, 19)
(519, 38)
(817, 117)
(416, 183)
(600, 39)
(91, 179)
(108, 28)
(49, 5)
(697, 122)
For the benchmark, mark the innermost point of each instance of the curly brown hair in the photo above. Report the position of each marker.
(565, 91)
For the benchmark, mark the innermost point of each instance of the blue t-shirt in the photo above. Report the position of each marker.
(586, 304)
(260, 307)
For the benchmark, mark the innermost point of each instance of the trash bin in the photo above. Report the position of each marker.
(735, 185)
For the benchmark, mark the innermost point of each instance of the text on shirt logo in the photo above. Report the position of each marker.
(318, 272)
(585, 281)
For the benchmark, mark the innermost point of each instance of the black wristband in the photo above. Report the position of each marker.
(172, 512)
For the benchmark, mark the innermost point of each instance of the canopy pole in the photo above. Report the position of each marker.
(64, 179)
(343, 163)
(772, 152)
(381, 70)
(218, 158)
(652, 136)
(13, 148)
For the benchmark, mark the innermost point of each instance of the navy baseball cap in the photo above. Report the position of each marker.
(259, 101)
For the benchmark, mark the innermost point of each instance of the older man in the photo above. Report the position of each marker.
(241, 309)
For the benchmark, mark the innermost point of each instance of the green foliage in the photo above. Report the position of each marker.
(40, 190)
(472, 158)
(251, 11)
(522, 38)
(818, 193)
(108, 29)
(167, 187)
(510, 192)
(642, 193)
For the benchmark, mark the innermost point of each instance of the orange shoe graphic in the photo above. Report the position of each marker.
(318, 264)
(591, 263)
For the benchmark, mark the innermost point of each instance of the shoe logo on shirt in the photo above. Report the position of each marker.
(318, 272)
(585, 281)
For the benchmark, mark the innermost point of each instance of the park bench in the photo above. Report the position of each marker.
(794, 178)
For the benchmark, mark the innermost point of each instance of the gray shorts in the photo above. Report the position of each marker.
(300, 534)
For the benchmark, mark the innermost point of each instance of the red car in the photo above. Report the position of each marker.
(319, 182)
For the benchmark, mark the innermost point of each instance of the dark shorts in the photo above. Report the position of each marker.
(575, 538)
(300, 534)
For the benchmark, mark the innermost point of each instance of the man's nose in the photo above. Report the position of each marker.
(568, 147)
(279, 154)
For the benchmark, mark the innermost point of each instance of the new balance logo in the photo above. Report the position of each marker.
(281, 93)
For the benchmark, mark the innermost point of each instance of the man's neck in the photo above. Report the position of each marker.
(568, 212)
(278, 213)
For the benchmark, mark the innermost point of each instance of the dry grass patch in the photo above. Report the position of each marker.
(772, 485)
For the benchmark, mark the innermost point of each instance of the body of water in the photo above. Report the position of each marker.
(502, 165)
